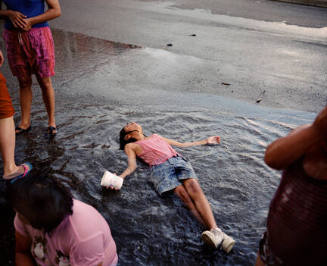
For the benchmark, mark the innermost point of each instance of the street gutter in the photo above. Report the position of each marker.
(319, 3)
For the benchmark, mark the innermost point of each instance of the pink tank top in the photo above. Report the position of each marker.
(297, 220)
(155, 150)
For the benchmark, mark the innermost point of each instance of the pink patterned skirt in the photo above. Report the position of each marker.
(30, 52)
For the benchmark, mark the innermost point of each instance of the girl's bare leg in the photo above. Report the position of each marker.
(183, 195)
(48, 95)
(201, 203)
(25, 98)
(7, 145)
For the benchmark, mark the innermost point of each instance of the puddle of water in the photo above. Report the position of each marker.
(148, 229)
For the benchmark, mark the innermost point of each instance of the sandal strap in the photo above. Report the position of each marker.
(27, 168)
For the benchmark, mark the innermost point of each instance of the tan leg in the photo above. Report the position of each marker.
(25, 99)
(48, 95)
(200, 201)
(182, 194)
(7, 145)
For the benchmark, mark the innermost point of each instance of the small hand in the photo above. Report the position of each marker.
(112, 188)
(17, 19)
(213, 140)
(1, 58)
(28, 24)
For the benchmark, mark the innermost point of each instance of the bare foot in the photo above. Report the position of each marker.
(19, 171)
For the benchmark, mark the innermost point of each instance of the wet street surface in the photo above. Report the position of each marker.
(268, 52)
(93, 104)
(186, 72)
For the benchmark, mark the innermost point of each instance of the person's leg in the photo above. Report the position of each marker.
(183, 195)
(214, 236)
(48, 95)
(7, 147)
(25, 91)
(201, 203)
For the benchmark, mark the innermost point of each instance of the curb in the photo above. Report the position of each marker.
(319, 3)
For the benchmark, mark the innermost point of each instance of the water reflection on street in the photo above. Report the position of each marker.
(148, 229)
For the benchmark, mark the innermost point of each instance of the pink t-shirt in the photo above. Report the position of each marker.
(155, 150)
(83, 238)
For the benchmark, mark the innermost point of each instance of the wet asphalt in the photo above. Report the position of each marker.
(262, 52)
(257, 67)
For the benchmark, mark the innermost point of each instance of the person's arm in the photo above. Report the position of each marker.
(284, 151)
(210, 140)
(53, 12)
(131, 155)
(23, 255)
(16, 18)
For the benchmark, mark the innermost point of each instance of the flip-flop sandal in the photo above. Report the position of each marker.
(20, 130)
(27, 168)
(52, 131)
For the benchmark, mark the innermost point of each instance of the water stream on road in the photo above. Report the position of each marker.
(149, 229)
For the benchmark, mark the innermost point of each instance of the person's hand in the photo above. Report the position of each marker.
(112, 187)
(28, 24)
(112, 181)
(17, 19)
(1, 58)
(320, 123)
(117, 183)
(213, 140)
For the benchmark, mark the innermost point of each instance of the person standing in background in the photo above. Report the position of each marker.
(7, 134)
(30, 50)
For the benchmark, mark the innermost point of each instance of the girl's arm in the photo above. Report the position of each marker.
(53, 11)
(284, 151)
(131, 154)
(210, 140)
(16, 18)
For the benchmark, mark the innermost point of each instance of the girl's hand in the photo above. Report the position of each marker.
(112, 187)
(28, 24)
(17, 19)
(213, 140)
(112, 181)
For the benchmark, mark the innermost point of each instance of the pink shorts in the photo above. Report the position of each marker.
(30, 52)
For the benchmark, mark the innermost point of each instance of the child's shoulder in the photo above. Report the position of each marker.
(156, 136)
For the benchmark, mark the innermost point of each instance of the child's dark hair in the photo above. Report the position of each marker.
(122, 140)
(42, 200)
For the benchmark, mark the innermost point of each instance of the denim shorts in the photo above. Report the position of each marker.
(169, 175)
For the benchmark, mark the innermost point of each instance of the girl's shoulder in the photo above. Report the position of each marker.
(153, 136)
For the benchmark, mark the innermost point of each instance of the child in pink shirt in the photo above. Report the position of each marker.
(52, 228)
(171, 172)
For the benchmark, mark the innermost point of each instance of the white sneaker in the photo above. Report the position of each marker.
(216, 237)
(228, 243)
(213, 238)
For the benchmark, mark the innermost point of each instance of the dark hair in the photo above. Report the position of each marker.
(42, 200)
(122, 140)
